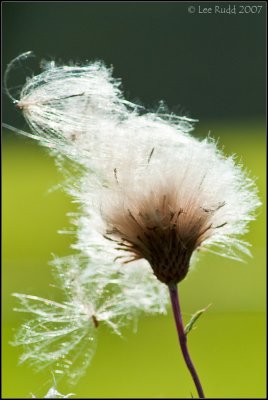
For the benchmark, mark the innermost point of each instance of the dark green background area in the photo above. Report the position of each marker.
(210, 67)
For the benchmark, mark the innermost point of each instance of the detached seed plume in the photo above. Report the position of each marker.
(150, 194)
(63, 335)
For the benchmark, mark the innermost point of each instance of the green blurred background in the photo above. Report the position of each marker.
(210, 67)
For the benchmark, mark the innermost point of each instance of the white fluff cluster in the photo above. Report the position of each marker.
(53, 393)
(130, 171)
(63, 335)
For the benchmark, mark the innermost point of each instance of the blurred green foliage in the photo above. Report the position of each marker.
(228, 345)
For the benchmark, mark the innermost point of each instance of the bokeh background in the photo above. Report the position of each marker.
(209, 67)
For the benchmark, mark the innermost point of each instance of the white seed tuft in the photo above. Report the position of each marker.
(148, 193)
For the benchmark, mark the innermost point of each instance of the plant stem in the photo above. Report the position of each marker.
(183, 338)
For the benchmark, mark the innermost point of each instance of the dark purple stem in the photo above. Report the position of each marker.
(183, 338)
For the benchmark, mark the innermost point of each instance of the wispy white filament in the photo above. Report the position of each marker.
(63, 335)
(54, 394)
(130, 171)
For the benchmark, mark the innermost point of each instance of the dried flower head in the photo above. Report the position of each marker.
(171, 207)
(149, 194)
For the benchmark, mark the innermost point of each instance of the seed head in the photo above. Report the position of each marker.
(170, 208)
(149, 196)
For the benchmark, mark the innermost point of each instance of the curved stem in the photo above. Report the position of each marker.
(183, 338)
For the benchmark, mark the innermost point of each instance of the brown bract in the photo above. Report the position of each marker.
(161, 228)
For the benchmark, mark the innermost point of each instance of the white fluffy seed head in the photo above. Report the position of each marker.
(164, 212)
(148, 193)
